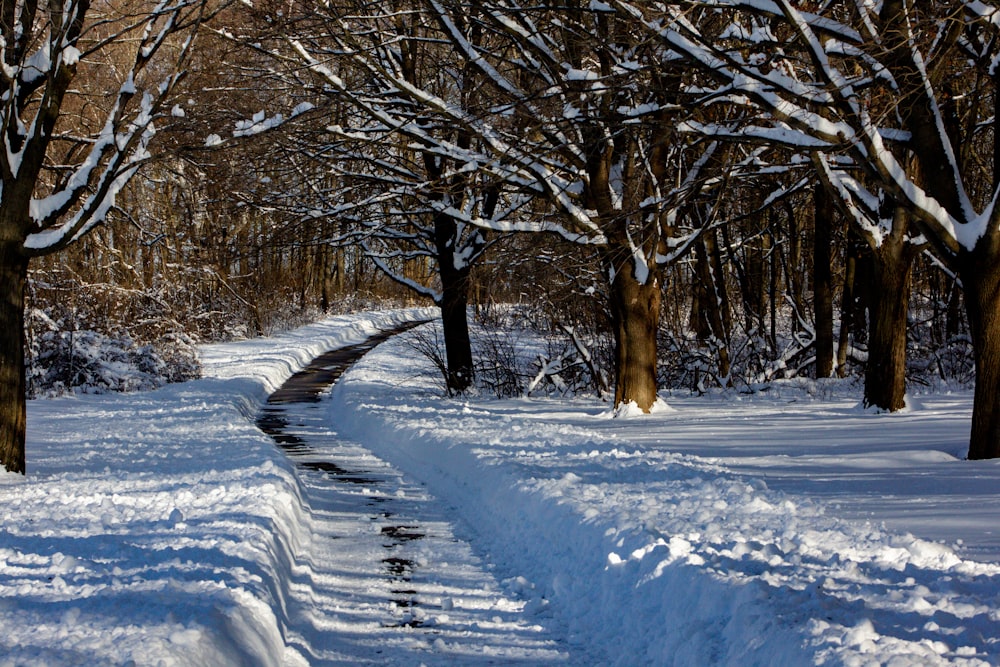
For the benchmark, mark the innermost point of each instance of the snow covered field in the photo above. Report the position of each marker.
(786, 528)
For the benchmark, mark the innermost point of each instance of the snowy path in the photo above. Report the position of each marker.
(385, 580)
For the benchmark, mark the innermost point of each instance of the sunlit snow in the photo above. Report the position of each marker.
(790, 527)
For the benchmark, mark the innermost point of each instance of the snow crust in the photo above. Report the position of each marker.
(791, 527)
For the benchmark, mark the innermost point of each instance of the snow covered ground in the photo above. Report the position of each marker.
(785, 528)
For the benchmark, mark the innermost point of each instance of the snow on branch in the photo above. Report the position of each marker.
(825, 89)
(514, 163)
(83, 197)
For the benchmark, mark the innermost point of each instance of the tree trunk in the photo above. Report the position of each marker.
(846, 312)
(750, 276)
(888, 306)
(457, 344)
(981, 288)
(794, 270)
(339, 271)
(823, 281)
(714, 324)
(324, 278)
(979, 273)
(772, 290)
(635, 316)
(13, 279)
(454, 311)
(953, 318)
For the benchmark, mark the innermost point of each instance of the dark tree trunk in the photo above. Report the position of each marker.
(888, 306)
(13, 279)
(324, 278)
(794, 271)
(457, 344)
(714, 320)
(750, 276)
(454, 311)
(772, 290)
(846, 311)
(823, 281)
(635, 316)
(981, 288)
(698, 317)
(953, 319)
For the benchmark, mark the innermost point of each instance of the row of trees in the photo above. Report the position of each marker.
(626, 127)
(718, 172)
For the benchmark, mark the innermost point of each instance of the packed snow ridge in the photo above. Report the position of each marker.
(789, 528)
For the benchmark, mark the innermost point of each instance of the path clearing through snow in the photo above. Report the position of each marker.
(387, 582)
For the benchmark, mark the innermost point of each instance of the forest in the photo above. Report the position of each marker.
(700, 196)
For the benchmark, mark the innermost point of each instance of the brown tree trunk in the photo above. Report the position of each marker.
(635, 316)
(979, 272)
(13, 279)
(339, 271)
(888, 306)
(981, 288)
(823, 281)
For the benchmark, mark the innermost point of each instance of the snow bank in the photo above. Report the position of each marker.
(162, 527)
(710, 534)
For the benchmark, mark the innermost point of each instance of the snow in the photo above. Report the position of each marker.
(301, 108)
(787, 527)
(70, 55)
(261, 123)
(37, 64)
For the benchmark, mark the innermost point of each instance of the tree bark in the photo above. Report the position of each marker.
(454, 311)
(772, 288)
(635, 316)
(13, 279)
(823, 281)
(888, 306)
(981, 288)
(846, 311)
(750, 274)
(714, 321)
(979, 272)
(794, 270)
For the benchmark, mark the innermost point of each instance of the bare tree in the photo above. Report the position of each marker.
(559, 104)
(60, 170)
(864, 85)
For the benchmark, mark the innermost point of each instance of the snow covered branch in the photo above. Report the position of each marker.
(85, 190)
